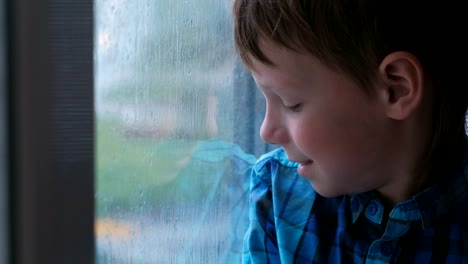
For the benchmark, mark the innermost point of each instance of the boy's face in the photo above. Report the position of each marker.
(339, 134)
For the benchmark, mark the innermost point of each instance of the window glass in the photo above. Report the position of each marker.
(175, 135)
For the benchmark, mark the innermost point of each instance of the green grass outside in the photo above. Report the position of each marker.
(137, 173)
(130, 170)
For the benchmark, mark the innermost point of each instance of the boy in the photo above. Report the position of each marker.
(367, 104)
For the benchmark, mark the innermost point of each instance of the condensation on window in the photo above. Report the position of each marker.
(170, 174)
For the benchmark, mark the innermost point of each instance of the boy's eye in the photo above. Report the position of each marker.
(294, 108)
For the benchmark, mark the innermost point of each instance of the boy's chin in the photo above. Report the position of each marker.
(326, 191)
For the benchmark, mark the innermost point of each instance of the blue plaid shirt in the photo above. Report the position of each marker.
(291, 223)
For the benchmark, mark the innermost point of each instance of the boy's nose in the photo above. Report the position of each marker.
(272, 130)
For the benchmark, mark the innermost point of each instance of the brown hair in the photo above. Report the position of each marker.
(354, 36)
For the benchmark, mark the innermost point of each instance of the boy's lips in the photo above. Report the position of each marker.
(304, 167)
(301, 162)
(305, 163)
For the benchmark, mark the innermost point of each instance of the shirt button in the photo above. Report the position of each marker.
(372, 208)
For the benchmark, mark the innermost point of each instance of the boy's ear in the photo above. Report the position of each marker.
(403, 77)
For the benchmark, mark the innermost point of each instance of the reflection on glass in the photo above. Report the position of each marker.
(170, 181)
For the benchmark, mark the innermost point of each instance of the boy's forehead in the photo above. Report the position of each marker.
(269, 77)
(281, 74)
(271, 49)
(265, 76)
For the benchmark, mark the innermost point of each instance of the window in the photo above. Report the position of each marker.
(176, 131)
(144, 99)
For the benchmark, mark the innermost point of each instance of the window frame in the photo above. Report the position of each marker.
(4, 194)
(50, 118)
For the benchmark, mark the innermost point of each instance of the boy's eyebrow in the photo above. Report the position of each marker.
(268, 85)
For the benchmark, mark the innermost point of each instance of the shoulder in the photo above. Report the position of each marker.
(281, 203)
(275, 156)
(275, 182)
(446, 202)
(273, 164)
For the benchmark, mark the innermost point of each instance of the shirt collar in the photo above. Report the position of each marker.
(368, 204)
(427, 206)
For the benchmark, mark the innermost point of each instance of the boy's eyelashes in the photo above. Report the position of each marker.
(294, 108)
